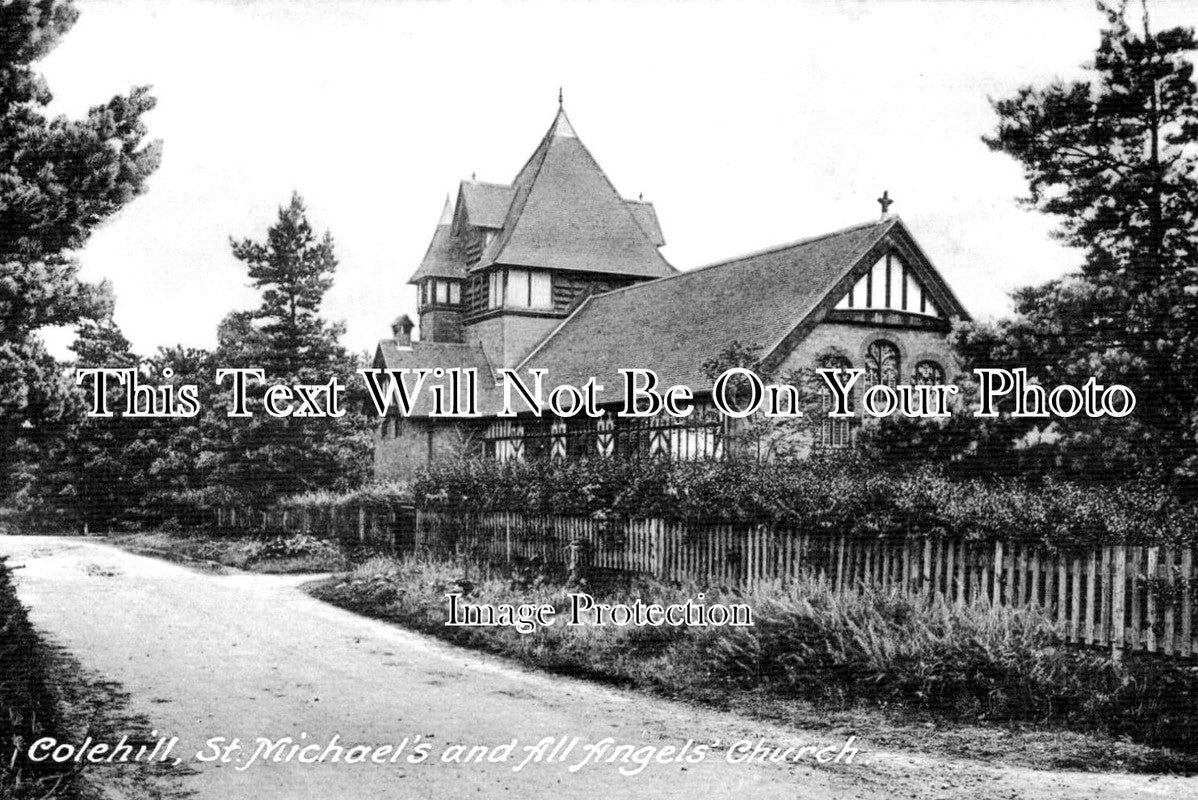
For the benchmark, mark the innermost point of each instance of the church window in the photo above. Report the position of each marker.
(882, 364)
(929, 373)
(834, 432)
(517, 289)
(540, 290)
(495, 293)
(528, 289)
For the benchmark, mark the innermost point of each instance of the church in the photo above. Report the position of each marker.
(558, 271)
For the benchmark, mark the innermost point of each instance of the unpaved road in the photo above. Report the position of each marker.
(247, 655)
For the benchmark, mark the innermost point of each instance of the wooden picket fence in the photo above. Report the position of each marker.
(389, 526)
(1128, 598)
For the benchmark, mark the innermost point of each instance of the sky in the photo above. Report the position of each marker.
(748, 124)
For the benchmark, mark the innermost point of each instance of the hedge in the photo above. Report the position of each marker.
(839, 495)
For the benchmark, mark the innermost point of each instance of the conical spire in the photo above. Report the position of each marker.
(567, 215)
(562, 126)
(439, 260)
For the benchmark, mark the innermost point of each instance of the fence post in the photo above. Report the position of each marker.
(1118, 587)
(996, 593)
(1170, 631)
(1187, 601)
(361, 523)
(1150, 586)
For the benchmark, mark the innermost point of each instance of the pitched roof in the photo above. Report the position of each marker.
(674, 324)
(438, 355)
(441, 260)
(486, 204)
(565, 214)
(646, 217)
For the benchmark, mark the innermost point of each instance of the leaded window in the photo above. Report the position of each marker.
(882, 364)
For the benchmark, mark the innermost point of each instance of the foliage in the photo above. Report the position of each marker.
(1113, 158)
(61, 178)
(809, 643)
(842, 495)
(265, 457)
(757, 436)
(28, 705)
(380, 493)
(962, 661)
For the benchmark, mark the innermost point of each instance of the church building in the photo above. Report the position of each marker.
(558, 271)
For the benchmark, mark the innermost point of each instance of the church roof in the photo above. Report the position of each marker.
(486, 204)
(442, 259)
(646, 217)
(674, 324)
(437, 355)
(565, 214)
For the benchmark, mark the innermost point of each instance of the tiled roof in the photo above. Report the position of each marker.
(442, 259)
(566, 214)
(646, 217)
(486, 203)
(438, 355)
(674, 324)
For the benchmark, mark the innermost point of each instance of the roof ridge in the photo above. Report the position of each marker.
(473, 182)
(753, 254)
(889, 222)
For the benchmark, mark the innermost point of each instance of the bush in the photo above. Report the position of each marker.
(839, 495)
(962, 661)
(966, 662)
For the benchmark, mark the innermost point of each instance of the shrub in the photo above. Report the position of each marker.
(968, 662)
(841, 495)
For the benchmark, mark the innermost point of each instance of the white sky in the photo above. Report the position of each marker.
(748, 124)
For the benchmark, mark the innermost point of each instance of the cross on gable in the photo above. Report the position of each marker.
(885, 202)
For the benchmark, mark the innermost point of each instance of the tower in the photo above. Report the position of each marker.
(508, 262)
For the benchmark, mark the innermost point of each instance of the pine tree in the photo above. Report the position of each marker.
(293, 269)
(99, 471)
(262, 456)
(1113, 156)
(59, 179)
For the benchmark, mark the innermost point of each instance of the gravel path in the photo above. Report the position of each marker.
(249, 656)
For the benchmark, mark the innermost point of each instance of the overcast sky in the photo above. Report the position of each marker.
(748, 124)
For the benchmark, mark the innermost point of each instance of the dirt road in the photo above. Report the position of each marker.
(249, 656)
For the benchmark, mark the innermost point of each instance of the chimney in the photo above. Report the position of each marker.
(401, 331)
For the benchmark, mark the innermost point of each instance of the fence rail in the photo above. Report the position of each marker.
(1123, 596)
(1127, 597)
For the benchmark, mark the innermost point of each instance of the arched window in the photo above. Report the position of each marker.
(834, 432)
(882, 364)
(929, 373)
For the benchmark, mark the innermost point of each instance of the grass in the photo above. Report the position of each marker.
(934, 676)
(29, 705)
(291, 554)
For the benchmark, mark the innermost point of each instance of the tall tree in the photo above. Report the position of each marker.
(293, 269)
(264, 456)
(59, 180)
(1114, 157)
(97, 472)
